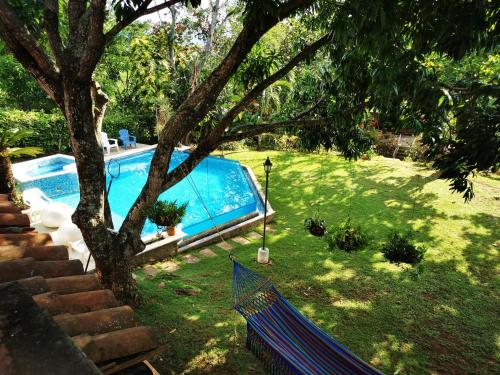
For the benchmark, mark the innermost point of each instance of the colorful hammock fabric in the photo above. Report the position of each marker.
(282, 338)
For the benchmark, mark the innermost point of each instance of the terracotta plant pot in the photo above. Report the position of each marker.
(171, 231)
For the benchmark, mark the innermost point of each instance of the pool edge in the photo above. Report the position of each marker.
(170, 249)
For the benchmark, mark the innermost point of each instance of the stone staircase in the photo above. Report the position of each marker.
(98, 324)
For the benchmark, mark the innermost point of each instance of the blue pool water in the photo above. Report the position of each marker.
(49, 166)
(224, 186)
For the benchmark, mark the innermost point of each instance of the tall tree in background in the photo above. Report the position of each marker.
(61, 48)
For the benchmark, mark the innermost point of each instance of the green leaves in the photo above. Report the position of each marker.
(24, 151)
(167, 214)
(10, 138)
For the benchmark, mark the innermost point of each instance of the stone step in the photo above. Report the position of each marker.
(190, 258)
(14, 220)
(254, 235)
(76, 303)
(4, 197)
(36, 252)
(34, 285)
(6, 230)
(16, 269)
(118, 344)
(58, 268)
(224, 246)
(26, 239)
(9, 208)
(241, 240)
(208, 253)
(96, 322)
(73, 284)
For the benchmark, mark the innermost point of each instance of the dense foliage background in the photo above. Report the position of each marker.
(388, 69)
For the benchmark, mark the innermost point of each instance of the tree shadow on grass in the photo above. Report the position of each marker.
(403, 323)
(443, 321)
(372, 196)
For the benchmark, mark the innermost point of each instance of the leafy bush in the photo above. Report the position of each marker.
(48, 129)
(385, 143)
(346, 236)
(418, 151)
(167, 214)
(232, 146)
(142, 126)
(271, 141)
(400, 249)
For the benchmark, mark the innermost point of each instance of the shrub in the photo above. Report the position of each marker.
(48, 129)
(385, 143)
(167, 214)
(271, 141)
(51, 134)
(232, 146)
(142, 126)
(346, 236)
(417, 151)
(400, 249)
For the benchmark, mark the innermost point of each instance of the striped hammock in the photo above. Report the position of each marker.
(282, 338)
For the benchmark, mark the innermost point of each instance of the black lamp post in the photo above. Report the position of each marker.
(267, 168)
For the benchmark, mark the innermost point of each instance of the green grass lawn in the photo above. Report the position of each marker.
(443, 321)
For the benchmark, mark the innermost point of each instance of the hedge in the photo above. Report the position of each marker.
(142, 126)
(50, 132)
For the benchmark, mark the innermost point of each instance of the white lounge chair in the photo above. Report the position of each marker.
(38, 201)
(108, 143)
(45, 211)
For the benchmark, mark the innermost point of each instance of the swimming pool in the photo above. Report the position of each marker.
(43, 167)
(221, 186)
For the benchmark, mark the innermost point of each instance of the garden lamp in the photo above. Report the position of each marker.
(263, 253)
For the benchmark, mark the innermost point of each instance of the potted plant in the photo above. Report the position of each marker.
(315, 225)
(167, 214)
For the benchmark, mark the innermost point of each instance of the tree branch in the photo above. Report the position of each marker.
(205, 148)
(256, 28)
(51, 20)
(95, 42)
(76, 9)
(246, 131)
(19, 33)
(24, 47)
(197, 105)
(257, 90)
(312, 108)
(143, 10)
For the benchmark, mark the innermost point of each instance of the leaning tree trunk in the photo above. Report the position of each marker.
(113, 266)
(7, 183)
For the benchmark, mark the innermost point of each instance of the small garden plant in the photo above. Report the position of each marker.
(167, 214)
(346, 236)
(400, 249)
(315, 225)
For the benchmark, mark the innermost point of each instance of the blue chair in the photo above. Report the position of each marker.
(127, 139)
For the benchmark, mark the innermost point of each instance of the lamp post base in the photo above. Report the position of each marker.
(263, 255)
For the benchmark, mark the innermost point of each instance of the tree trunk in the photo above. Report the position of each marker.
(7, 182)
(111, 255)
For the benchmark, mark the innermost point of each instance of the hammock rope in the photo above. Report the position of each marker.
(284, 339)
